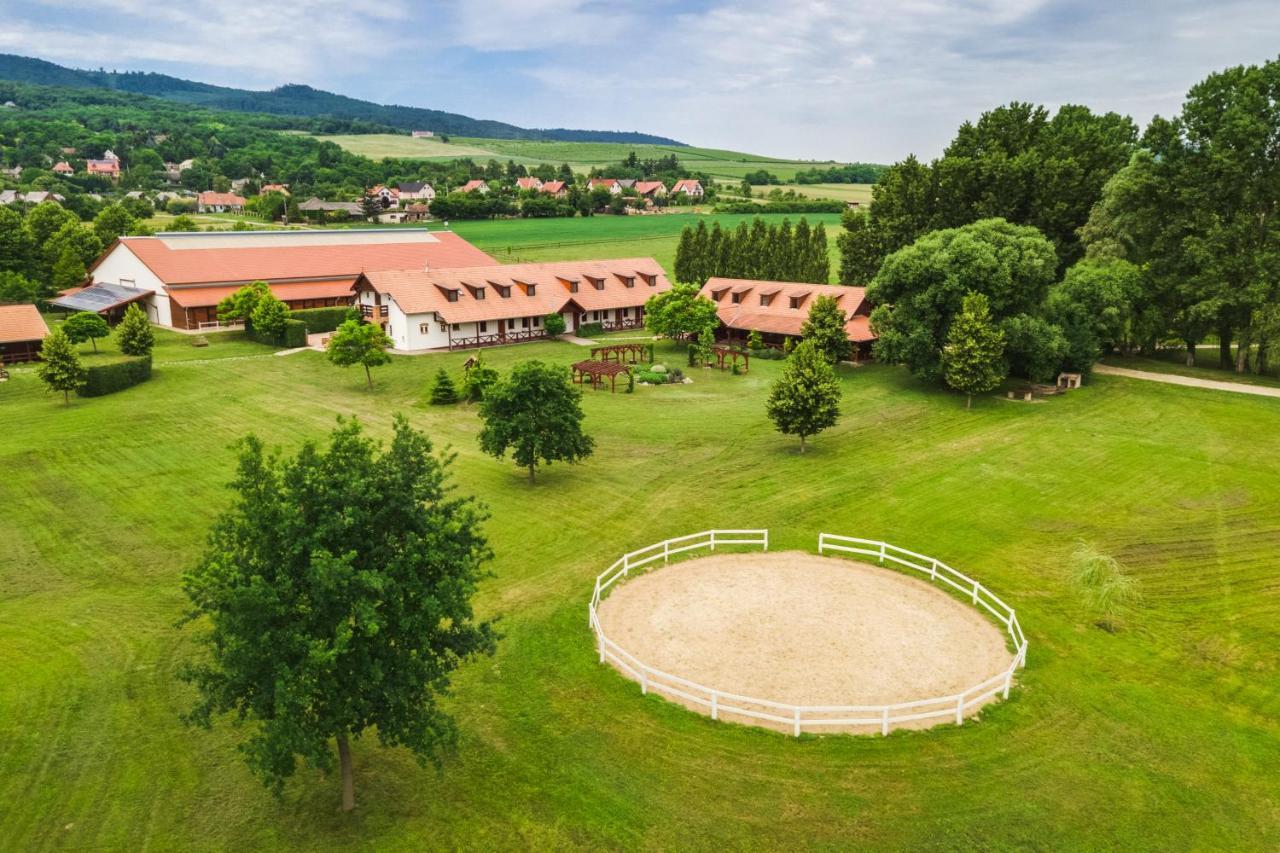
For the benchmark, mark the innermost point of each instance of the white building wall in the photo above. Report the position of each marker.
(121, 266)
(407, 330)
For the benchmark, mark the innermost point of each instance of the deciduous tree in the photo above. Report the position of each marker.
(806, 398)
(825, 328)
(86, 326)
(679, 312)
(537, 414)
(359, 343)
(60, 368)
(334, 597)
(973, 358)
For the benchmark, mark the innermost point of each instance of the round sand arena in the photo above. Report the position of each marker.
(802, 629)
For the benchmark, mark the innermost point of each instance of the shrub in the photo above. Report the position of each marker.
(478, 380)
(324, 319)
(269, 317)
(443, 392)
(768, 354)
(293, 336)
(590, 330)
(658, 368)
(693, 355)
(554, 324)
(754, 340)
(101, 379)
(1108, 592)
(134, 334)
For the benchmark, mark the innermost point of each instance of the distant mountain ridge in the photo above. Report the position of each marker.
(297, 100)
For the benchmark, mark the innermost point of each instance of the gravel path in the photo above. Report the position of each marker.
(1190, 381)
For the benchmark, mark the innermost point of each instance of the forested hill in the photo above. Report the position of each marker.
(297, 100)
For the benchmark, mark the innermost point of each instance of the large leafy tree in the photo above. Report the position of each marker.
(359, 343)
(536, 413)
(919, 289)
(1097, 306)
(973, 359)
(112, 222)
(335, 597)
(60, 368)
(806, 398)
(238, 307)
(679, 312)
(15, 242)
(825, 327)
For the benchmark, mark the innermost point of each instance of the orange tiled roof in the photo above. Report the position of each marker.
(552, 186)
(21, 323)
(528, 183)
(473, 185)
(778, 317)
(686, 184)
(298, 263)
(422, 292)
(645, 187)
(200, 297)
(225, 199)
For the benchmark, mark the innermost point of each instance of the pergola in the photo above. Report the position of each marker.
(597, 371)
(622, 353)
(722, 353)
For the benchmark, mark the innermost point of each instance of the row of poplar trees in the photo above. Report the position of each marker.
(758, 251)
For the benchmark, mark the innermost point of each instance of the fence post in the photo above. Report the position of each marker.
(882, 553)
(822, 542)
(884, 721)
(766, 540)
(666, 551)
(797, 721)
(933, 575)
(975, 592)
(644, 682)
(713, 540)
(715, 707)
(960, 710)
(1008, 679)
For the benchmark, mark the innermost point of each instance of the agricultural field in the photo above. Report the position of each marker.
(1164, 734)
(582, 156)
(860, 193)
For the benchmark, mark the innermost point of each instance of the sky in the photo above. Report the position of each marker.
(860, 80)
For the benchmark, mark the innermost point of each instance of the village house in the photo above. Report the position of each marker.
(386, 196)
(689, 187)
(474, 187)
(108, 167)
(554, 188)
(62, 167)
(777, 310)
(22, 332)
(650, 189)
(316, 205)
(211, 202)
(283, 189)
(528, 183)
(180, 278)
(31, 197)
(452, 308)
(423, 134)
(416, 191)
(613, 185)
(408, 213)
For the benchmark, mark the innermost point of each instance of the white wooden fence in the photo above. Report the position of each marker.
(809, 717)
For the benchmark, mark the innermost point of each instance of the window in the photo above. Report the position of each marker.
(626, 312)
(573, 287)
(479, 293)
(597, 283)
(484, 326)
(796, 300)
(629, 281)
(504, 292)
(424, 328)
(524, 322)
(453, 295)
(735, 298)
(531, 289)
(765, 299)
(537, 321)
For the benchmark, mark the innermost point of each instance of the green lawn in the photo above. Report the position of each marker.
(841, 192)
(1207, 366)
(518, 240)
(582, 156)
(1165, 735)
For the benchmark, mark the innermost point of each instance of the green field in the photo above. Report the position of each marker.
(1164, 735)
(860, 193)
(519, 240)
(582, 156)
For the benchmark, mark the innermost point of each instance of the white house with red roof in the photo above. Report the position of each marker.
(554, 188)
(62, 167)
(689, 187)
(529, 183)
(613, 185)
(180, 278)
(650, 189)
(212, 202)
(474, 187)
(463, 307)
(108, 167)
(778, 309)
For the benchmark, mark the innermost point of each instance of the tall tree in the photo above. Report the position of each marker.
(974, 351)
(684, 268)
(806, 398)
(15, 242)
(679, 312)
(335, 595)
(134, 334)
(359, 343)
(537, 414)
(824, 326)
(60, 368)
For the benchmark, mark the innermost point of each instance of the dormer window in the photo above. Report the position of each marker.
(796, 300)
(573, 287)
(452, 295)
(504, 290)
(531, 289)
(597, 283)
(736, 298)
(651, 280)
(629, 281)
(478, 293)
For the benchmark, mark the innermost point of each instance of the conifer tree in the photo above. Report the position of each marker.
(698, 268)
(782, 252)
(685, 261)
(806, 399)
(757, 248)
(820, 260)
(973, 359)
(443, 392)
(60, 368)
(824, 327)
(134, 332)
(798, 257)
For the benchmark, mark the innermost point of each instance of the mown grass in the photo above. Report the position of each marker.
(1207, 366)
(1161, 735)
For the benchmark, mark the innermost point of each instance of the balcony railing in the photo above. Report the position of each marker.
(497, 338)
(370, 311)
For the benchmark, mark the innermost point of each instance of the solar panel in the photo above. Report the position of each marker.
(100, 297)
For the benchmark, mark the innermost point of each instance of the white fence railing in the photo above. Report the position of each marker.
(802, 717)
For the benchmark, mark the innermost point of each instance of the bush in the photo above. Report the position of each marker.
(590, 330)
(693, 354)
(103, 379)
(294, 335)
(324, 319)
(554, 324)
(768, 354)
(479, 379)
(1108, 592)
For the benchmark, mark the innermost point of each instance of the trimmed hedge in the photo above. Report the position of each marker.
(590, 330)
(295, 335)
(324, 319)
(103, 379)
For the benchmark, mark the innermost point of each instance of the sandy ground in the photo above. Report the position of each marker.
(1188, 381)
(802, 629)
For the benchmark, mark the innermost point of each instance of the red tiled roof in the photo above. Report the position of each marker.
(301, 262)
(552, 186)
(778, 316)
(224, 199)
(421, 292)
(473, 185)
(601, 182)
(686, 184)
(528, 183)
(21, 323)
(200, 297)
(110, 167)
(646, 187)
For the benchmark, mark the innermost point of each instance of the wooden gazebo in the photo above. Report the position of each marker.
(621, 353)
(730, 355)
(597, 371)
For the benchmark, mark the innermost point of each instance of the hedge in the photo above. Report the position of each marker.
(590, 330)
(103, 379)
(324, 319)
(295, 335)
(814, 205)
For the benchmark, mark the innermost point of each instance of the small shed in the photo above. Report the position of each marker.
(22, 333)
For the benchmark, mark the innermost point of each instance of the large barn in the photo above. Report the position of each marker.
(180, 278)
(778, 309)
(483, 305)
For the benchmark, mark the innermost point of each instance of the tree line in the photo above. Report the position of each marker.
(759, 251)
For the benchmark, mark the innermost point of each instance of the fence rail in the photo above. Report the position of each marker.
(808, 717)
